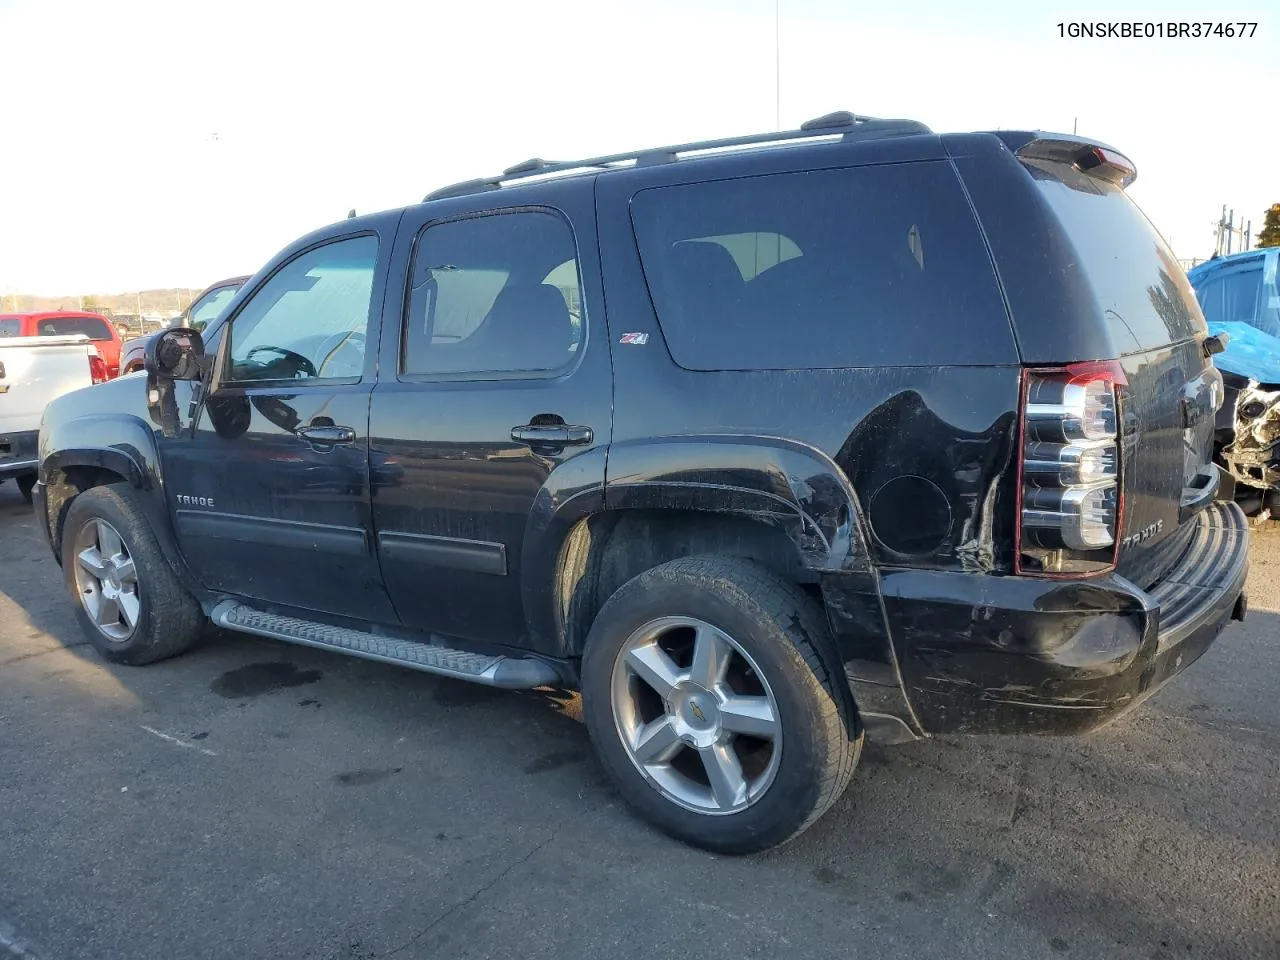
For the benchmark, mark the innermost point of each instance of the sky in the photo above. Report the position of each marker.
(153, 144)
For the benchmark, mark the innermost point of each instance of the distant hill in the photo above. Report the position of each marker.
(165, 303)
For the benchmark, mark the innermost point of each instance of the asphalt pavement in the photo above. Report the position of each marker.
(255, 799)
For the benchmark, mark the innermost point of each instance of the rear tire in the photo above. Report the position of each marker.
(735, 749)
(129, 602)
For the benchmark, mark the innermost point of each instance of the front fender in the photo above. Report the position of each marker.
(121, 443)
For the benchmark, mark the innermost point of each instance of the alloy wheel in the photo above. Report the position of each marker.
(107, 580)
(696, 715)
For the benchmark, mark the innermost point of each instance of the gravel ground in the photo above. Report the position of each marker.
(253, 799)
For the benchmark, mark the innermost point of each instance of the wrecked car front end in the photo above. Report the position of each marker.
(1249, 450)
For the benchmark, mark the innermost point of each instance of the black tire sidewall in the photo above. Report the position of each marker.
(97, 503)
(796, 788)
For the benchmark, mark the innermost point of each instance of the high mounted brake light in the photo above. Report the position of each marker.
(1069, 496)
(1097, 160)
(1108, 164)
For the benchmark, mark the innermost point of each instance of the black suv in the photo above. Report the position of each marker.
(764, 444)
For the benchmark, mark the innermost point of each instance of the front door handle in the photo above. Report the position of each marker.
(552, 435)
(328, 434)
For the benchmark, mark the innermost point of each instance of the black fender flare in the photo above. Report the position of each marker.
(125, 445)
(769, 480)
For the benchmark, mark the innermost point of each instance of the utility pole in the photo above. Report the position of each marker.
(1075, 121)
(1228, 233)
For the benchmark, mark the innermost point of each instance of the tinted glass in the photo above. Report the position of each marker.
(10, 328)
(878, 265)
(92, 328)
(209, 306)
(1141, 288)
(493, 295)
(308, 321)
(1240, 295)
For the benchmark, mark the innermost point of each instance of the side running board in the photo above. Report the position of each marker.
(494, 671)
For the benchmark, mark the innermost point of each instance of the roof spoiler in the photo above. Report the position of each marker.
(1088, 156)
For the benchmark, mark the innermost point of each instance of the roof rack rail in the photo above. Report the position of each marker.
(848, 126)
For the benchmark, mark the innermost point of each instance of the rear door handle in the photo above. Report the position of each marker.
(552, 435)
(317, 433)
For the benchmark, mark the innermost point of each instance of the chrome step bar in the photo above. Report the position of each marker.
(513, 673)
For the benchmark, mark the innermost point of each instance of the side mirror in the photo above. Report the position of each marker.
(176, 354)
(171, 355)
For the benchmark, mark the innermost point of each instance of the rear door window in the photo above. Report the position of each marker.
(867, 266)
(11, 328)
(493, 296)
(91, 327)
(1144, 294)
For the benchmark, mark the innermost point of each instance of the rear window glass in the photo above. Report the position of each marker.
(1143, 292)
(92, 328)
(10, 328)
(868, 266)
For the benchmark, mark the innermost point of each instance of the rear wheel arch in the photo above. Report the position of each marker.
(779, 502)
(606, 550)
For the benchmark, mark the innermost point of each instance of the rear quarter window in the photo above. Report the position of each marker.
(92, 328)
(865, 266)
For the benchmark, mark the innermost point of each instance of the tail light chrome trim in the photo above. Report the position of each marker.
(1070, 503)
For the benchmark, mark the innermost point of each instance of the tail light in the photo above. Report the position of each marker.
(97, 366)
(1069, 470)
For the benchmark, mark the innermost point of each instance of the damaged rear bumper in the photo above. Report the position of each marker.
(988, 654)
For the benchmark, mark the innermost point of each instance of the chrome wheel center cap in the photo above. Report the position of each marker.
(112, 575)
(695, 714)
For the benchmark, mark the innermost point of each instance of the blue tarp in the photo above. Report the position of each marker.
(1250, 352)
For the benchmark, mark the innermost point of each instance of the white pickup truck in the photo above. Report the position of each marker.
(33, 371)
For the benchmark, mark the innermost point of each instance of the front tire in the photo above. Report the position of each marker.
(129, 602)
(709, 696)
